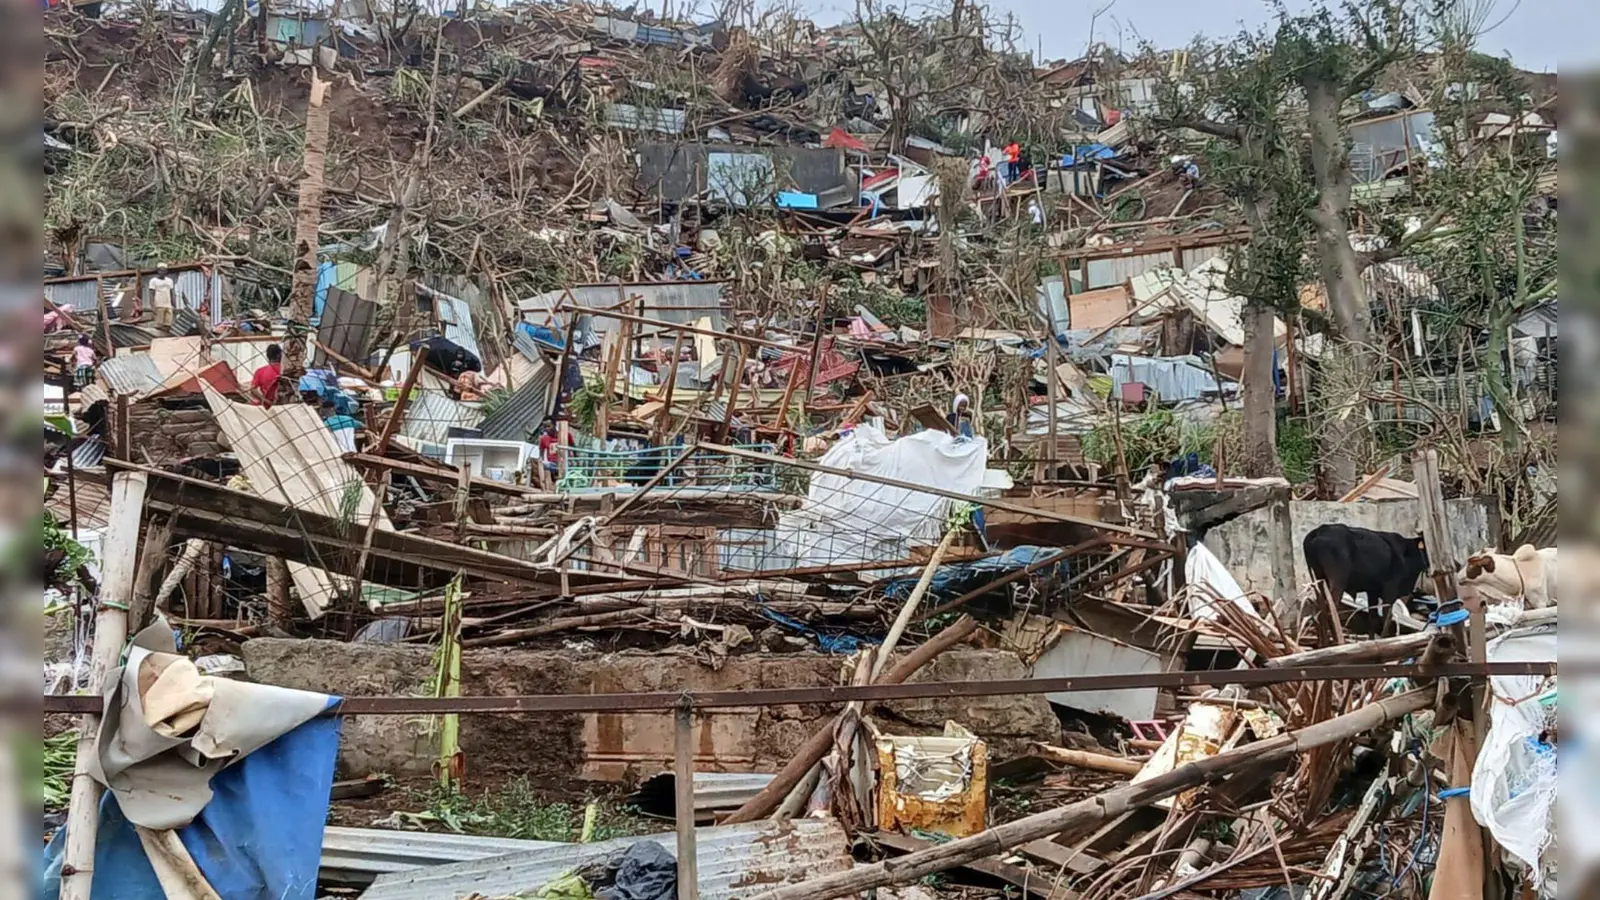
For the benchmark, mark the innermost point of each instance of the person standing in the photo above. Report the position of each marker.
(83, 361)
(264, 383)
(162, 288)
(1013, 162)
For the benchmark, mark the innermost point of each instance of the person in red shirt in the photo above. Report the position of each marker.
(264, 383)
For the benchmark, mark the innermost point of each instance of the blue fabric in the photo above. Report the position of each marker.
(1087, 153)
(260, 837)
(956, 579)
(829, 643)
(327, 274)
(542, 334)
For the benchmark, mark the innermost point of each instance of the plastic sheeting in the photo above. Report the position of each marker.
(1514, 779)
(260, 837)
(846, 520)
(957, 578)
(1173, 379)
(1201, 568)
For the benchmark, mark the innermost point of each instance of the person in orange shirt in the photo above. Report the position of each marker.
(1013, 162)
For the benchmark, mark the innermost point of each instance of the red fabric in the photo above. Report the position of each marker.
(841, 140)
(266, 381)
(1013, 152)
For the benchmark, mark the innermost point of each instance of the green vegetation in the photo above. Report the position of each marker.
(516, 810)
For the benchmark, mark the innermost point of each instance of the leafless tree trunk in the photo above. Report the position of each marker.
(1341, 436)
(308, 221)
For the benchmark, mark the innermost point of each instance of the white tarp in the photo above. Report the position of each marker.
(1201, 568)
(1514, 780)
(846, 520)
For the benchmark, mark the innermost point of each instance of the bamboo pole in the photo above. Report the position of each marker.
(110, 633)
(1109, 804)
(1083, 759)
(813, 750)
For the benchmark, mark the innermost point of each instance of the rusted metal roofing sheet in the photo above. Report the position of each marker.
(735, 861)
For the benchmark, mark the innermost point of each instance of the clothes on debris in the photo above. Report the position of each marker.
(953, 580)
(645, 871)
(242, 771)
(446, 355)
(1514, 779)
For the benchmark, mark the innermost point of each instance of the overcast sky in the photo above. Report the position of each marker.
(1538, 34)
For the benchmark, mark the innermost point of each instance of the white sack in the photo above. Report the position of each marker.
(845, 520)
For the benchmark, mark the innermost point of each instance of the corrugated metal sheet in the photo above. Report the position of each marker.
(632, 118)
(92, 393)
(713, 792)
(678, 302)
(80, 293)
(431, 414)
(185, 322)
(358, 855)
(129, 374)
(523, 410)
(346, 327)
(735, 861)
(130, 336)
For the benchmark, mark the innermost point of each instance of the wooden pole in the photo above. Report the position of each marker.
(398, 413)
(1083, 759)
(1104, 806)
(683, 783)
(665, 415)
(308, 219)
(733, 394)
(110, 633)
(1285, 586)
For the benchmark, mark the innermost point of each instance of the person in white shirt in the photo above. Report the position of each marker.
(162, 287)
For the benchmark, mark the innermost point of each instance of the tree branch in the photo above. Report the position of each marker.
(1205, 126)
(1430, 229)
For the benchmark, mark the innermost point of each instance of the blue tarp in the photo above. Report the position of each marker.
(1088, 153)
(327, 277)
(543, 334)
(956, 579)
(797, 200)
(260, 837)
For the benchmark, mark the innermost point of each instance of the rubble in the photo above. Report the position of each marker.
(725, 414)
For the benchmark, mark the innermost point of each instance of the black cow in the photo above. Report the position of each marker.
(1383, 565)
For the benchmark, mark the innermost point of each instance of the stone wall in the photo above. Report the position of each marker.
(621, 746)
(1244, 544)
(170, 434)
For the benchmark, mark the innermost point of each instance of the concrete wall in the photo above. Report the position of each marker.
(1244, 544)
(617, 746)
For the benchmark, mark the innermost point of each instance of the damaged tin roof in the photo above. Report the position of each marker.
(734, 860)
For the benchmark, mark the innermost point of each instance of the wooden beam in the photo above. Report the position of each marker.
(398, 411)
(442, 475)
